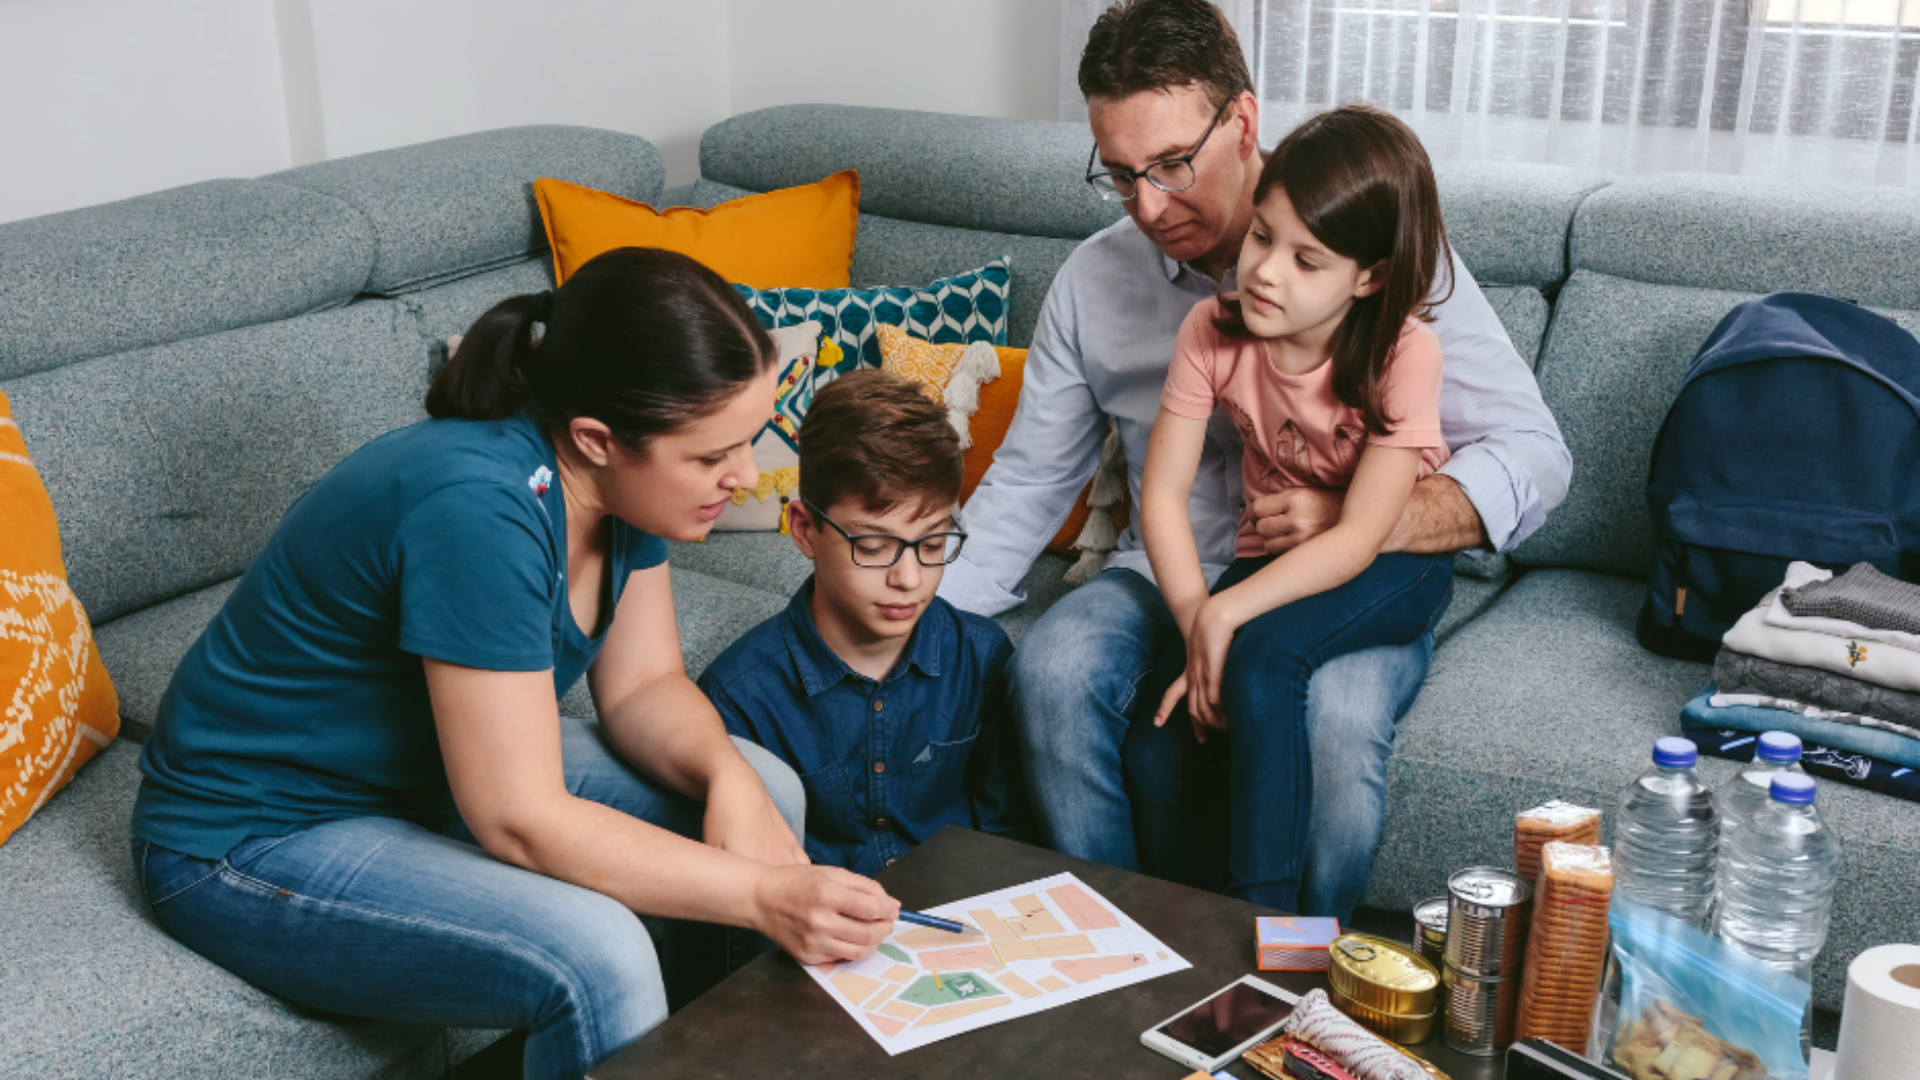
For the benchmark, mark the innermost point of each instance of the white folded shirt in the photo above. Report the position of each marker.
(1884, 657)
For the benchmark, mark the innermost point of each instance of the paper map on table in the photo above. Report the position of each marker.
(1042, 944)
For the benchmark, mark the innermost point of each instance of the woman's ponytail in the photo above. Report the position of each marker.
(644, 340)
(485, 378)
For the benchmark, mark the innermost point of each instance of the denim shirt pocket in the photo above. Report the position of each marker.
(830, 810)
(937, 782)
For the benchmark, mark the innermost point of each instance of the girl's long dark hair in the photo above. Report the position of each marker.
(643, 340)
(1362, 184)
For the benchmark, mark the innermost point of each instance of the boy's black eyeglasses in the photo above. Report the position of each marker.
(879, 551)
(1173, 174)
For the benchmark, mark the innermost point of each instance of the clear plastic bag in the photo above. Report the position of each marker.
(1693, 1007)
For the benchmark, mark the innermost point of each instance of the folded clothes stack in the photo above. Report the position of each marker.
(1834, 660)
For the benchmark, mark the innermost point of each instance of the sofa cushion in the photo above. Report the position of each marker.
(1509, 219)
(173, 265)
(967, 172)
(454, 207)
(170, 467)
(1548, 695)
(1523, 312)
(450, 308)
(1614, 357)
(888, 251)
(143, 648)
(1752, 235)
(95, 988)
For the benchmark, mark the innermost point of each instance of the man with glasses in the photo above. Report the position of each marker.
(1175, 126)
(889, 702)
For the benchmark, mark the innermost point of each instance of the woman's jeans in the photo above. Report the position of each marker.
(382, 918)
(1269, 765)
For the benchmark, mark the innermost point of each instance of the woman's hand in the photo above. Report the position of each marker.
(820, 914)
(742, 818)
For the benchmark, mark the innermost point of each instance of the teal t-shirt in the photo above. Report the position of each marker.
(305, 700)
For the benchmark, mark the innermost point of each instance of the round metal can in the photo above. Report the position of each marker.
(1488, 912)
(1430, 929)
(1404, 1030)
(1479, 1013)
(1382, 975)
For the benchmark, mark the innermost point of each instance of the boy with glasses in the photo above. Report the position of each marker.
(888, 701)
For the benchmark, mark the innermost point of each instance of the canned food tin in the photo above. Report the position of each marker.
(1405, 1030)
(1382, 975)
(1430, 929)
(1479, 1013)
(1488, 912)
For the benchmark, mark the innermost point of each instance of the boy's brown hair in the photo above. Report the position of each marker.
(877, 438)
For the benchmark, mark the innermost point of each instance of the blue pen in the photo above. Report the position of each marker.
(948, 925)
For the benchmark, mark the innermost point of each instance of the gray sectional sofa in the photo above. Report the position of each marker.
(184, 364)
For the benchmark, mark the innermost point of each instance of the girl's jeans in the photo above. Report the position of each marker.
(1395, 601)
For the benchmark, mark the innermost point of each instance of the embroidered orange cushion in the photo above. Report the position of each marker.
(57, 706)
(797, 237)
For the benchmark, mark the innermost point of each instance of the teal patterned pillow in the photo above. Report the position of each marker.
(966, 307)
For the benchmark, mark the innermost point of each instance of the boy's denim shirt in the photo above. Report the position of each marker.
(885, 764)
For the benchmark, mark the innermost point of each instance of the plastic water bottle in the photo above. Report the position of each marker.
(1668, 835)
(1777, 877)
(1780, 871)
(1747, 793)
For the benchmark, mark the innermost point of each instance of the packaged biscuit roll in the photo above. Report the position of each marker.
(1554, 821)
(1567, 949)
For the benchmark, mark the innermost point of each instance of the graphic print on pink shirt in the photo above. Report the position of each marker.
(1295, 432)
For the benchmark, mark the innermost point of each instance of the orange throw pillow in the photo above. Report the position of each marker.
(57, 706)
(797, 237)
(998, 399)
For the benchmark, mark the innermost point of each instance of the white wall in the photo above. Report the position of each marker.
(106, 99)
(981, 57)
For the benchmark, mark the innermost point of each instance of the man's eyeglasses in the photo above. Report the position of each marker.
(1173, 174)
(879, 551)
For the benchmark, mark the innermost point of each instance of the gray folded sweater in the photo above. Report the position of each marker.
(1740, 673)
(1862, 595)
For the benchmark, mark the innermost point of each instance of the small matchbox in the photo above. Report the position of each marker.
(1294, 943)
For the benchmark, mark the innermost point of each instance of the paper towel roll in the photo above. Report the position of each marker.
(1880, 1027)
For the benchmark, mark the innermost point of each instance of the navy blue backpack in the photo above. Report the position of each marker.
(1795, 435)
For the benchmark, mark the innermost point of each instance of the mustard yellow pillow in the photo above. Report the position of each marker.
(799, 237)
(984, 425)
(57, 706)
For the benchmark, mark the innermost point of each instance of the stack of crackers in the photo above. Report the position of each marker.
(1567, 949)
(1554, 821)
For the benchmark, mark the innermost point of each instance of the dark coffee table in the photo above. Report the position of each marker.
(770, 1021)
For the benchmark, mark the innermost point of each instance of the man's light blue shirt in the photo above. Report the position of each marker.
(1101, 351)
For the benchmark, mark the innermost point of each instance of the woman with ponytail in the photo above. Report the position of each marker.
(360, 794)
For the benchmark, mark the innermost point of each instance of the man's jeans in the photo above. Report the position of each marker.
(1077, 675)
(383, 918)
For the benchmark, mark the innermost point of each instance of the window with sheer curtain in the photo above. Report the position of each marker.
(1798, 88)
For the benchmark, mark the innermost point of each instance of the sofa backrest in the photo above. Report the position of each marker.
(185, 364)
(941, 194)
(1657, 261)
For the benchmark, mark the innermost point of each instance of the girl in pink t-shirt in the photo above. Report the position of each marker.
(1325, 365)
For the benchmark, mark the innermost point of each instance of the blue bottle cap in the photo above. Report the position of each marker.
(1779, 747)
(1675, 753)
(1795, 788)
